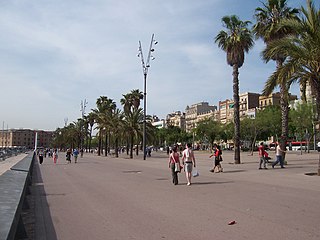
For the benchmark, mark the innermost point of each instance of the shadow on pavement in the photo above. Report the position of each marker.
(234, 171)
(44, 229)
(206, 183)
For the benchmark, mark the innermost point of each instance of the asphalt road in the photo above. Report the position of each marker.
(110, 198)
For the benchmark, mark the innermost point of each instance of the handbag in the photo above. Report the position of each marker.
(177, 167)
(195, 172)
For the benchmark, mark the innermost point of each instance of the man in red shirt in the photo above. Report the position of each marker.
(261, 155)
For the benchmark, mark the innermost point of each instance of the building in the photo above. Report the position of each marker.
(25, 138)
(248, 101)
(273, 100)
(156, 122)
(195, 111)
(226, 110)
(177, 119)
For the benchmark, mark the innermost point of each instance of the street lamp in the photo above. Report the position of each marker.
(145, 67)
(82, 110)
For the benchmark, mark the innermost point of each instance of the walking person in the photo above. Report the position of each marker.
(55, 156)
(68, 155)
(81, 152)
(75, 155)
(217, 159)
(279, 158)
(189, 161)
(41, 156)
(262, 154)
(174, 164)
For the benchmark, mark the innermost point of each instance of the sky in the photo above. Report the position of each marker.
(55, 54)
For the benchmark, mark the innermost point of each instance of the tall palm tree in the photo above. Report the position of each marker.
(90, 120)
(235, 42)
(131, 100)
(137, 96)
(105, 106)
(133, 127)
(302, 51)
(267, 28)
(126, 102)
(116, 123)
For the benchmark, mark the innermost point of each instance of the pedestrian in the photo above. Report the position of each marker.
(68, 155)
(55, 156)
(262, 156)
(217, 159)
(41, 156)
(81, 152)
(279, 158)
(188, 161)
(174, 164)
(75, 155)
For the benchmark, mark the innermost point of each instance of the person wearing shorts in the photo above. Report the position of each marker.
(189, 162)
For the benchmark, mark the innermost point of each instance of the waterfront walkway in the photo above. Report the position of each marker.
(122, 198)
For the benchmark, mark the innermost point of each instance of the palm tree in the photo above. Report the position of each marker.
(302, 51)
(132, 111)
(90, 120)
(105, 106)
(137, 96)
(126, 102)
(235, 42)
(131, 100)
(267, 28)
(133, 127)
(115, 122)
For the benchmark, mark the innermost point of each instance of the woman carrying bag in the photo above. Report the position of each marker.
(174, 164)
(189, 162)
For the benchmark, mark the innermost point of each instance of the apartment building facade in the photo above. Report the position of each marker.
(177, 119)
(273, 100)
(25, 138)
(197, 112)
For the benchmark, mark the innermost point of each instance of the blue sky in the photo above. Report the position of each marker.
(56, 53)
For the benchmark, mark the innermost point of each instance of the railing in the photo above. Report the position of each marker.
(13, 189)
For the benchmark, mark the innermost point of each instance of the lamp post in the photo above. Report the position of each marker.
(82, 109)
(145, 67)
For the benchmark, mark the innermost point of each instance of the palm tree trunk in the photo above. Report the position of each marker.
(128, 146)
(236, 114)
(99, 143)
(90, 138)
(106, 146)
(316, 85)
(284, 113)
(137, 150)
(131, 147)
(116, 147)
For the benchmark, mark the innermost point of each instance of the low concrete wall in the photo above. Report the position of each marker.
(13, 189)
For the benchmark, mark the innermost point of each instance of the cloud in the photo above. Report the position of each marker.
(56, 53)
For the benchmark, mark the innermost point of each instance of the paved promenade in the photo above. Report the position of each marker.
(110, 198)
(9, 162)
